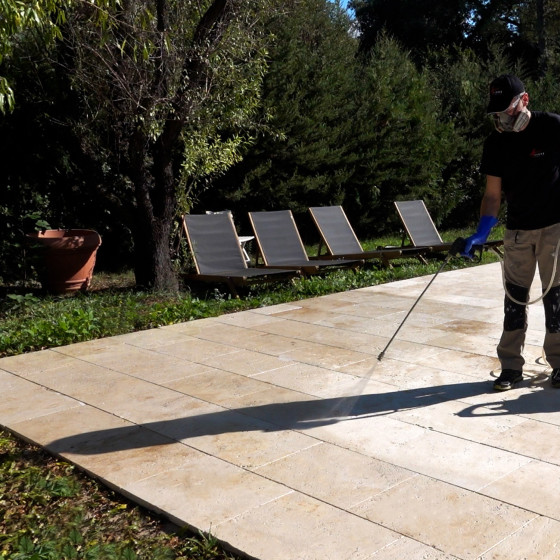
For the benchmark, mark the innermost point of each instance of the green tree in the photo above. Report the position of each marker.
(418, 25)
(352, 131)
(168, 93)
(461, 80)
(40, 16)
(402, 143)
(304, 155)
(524, 29)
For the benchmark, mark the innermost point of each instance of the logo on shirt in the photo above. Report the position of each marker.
(537, 153)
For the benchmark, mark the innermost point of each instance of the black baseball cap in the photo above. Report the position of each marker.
(502, 90)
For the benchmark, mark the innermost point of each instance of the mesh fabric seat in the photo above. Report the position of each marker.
(419, 225)
(340, 240)
(218, 256)
(421, 230)
(280, 244)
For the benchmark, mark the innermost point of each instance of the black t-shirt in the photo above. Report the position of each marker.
(528, 163)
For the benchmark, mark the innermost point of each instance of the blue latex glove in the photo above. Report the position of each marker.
(480, 236)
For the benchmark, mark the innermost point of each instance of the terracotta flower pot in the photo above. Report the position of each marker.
(68, 257)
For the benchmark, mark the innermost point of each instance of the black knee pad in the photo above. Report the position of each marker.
(515, 314)
(551, 304)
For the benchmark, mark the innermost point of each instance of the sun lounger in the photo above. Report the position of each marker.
(340, 240)
(218, 256)
(419, 226)
(280, 244)
(421, 230)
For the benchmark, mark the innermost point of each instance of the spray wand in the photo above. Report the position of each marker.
(456, 248)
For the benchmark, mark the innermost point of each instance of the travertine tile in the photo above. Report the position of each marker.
(235, 436)
(227, 333)
(521, 489)
(447, 417)
(147, 364)
(429, 380)
(247, 319)
(459, 522)
(463, 362)
(153, 339)
(120, 394)
(321, 382)
(533, 399)
(409, 549)
(532, 438)
(34, 362)
(274, 345)
(455, 460)
(324, 356)
(196, 350)
(290, 409)
(75, 428)
(297, 526)
(403, 350)
(246, 362)
(205, 492)
(280, 431)
(218, 386)
(312, 315)
(88, 347)
(190, 328)
(164, 408)
(82, 380)
(373, 435)
(537, 540)
(465, 343)
(38, 401)
(277, 309)
(344, 478)
(111, 448)
(452, 459)
(314, 333)
(148, 339)
(139, 454)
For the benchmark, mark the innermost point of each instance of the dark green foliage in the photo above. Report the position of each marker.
(525, 30)
(336, 124)
(306, 157)
(401, 142)
(51, 511)
(49, 178)
(359, 132)
(461, 81)
(419, 25)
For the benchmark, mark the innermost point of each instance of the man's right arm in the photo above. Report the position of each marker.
(489, 209)
(491, 201)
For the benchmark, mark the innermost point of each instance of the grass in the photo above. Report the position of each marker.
(31, 321)
(49, 509)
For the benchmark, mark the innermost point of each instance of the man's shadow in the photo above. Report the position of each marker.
(540, 399)
(297, 415)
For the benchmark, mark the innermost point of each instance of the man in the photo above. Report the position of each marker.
(521, 159)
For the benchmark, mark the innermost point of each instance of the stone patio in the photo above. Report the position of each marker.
(279, 431)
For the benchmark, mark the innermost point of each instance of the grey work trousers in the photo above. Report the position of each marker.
(523, 251)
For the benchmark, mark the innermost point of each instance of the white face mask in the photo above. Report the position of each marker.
(508, 121)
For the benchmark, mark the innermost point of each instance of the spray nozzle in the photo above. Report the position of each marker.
(457, 247)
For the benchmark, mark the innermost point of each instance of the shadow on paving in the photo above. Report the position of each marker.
(306, 414)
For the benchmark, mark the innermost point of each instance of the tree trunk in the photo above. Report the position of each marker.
(153, 268)
(156, 204)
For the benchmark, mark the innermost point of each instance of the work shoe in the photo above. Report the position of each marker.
(510, 376)
(555, 378)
